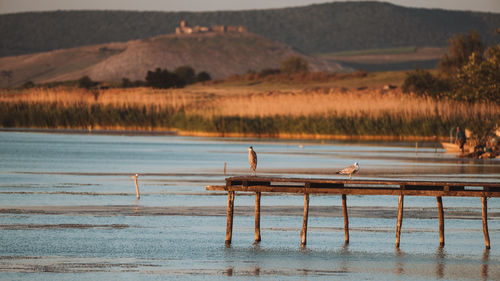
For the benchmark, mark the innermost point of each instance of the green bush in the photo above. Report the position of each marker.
(423, 83)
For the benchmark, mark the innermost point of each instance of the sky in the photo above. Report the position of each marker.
(15, 6)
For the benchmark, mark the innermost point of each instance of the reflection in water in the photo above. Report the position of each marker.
(440, 258)
(484, 266)
(399, 264)
(229, 271)
(256, 271)
(345, 253)
(136, 208)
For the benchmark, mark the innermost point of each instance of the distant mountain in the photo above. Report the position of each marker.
(220, 54)
(321, 28)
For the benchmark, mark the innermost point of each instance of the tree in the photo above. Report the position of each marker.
(294, 64)
(459, 51)
(126, 83)
(423, 83)
(186, 73)
(479, 79)
(203, 76)
(28, 85)
(86, 82)
(163, 79)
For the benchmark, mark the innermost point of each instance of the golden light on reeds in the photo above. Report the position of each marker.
(317, 102)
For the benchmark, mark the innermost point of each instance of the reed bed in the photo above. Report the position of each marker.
(316, 111)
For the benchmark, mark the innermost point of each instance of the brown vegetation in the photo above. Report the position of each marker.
(318, 101)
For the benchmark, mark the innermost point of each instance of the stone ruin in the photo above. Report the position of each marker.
(184, 28)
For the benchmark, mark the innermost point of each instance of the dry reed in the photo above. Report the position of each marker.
(312, 102)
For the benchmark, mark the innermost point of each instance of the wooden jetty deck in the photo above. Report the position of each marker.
(307, 186)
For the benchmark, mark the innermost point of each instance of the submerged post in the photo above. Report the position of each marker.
(257, 217)
(346, 218)
(484, 199)
(441, 220)
(303, 233)
(230, 208)
(400, 219)
(137, 186)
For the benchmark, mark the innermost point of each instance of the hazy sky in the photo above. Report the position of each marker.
(13, 6)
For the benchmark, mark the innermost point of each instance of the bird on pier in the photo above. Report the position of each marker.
(350, 170)
(252, 159)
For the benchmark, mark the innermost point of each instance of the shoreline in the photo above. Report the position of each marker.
(164, 132)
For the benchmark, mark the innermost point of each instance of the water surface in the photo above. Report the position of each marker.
(69, 211)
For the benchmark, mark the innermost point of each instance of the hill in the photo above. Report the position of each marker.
(321, 28)
(220, 54)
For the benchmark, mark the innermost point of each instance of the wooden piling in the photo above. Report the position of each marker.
(257, 217)
(225, 164)
(441, 220)
(230, 209)
(484, 199)
(309, 186)
(346, 218)
(400, 219)
(303, 233)
(137, 186)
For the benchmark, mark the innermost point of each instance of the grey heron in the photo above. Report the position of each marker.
(252, 159)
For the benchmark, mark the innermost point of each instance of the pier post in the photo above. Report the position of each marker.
(303, 233)
(257, 217)
(441, 220)
(346, 218)
(485, 222)
(230, 209)
(400, 219)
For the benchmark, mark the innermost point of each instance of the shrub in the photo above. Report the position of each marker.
(294, 64)
(163, 79)
(423, 83)
(28, 85)
(203, 76)
(86, 82)
(186, 74)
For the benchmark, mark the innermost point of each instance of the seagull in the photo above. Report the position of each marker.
(252, 159)
(350, 170)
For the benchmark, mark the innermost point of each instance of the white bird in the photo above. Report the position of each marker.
(350, 170)
(252, 159)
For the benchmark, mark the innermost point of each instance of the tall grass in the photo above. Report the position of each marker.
(315, 111)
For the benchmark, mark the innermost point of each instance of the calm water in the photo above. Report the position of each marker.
(74, 172)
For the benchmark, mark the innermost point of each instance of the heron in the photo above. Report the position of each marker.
(252, 159)
(349, 170)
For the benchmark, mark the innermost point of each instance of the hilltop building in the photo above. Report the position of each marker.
(185, 29)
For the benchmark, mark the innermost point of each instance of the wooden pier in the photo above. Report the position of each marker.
(354, 187)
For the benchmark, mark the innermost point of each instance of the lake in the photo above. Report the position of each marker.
(69, 211)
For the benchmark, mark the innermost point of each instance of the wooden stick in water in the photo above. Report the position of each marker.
(303, 233)
(257, 217)
(485, 222)
(230, 209)
(346, 218)
(441, 220)
(400, 220)
(137, 186)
